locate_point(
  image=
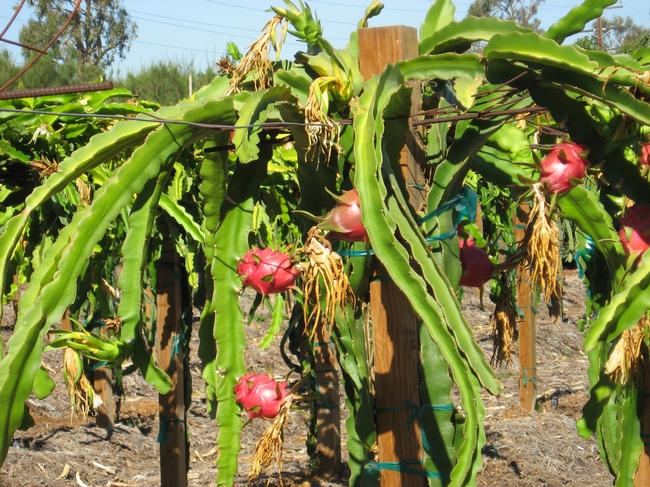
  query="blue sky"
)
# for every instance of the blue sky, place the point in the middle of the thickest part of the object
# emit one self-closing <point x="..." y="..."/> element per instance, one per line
<point x="198" y="30"/>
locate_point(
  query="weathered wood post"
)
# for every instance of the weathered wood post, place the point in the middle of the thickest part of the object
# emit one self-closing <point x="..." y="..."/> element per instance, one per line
<point x="103" y="385"/>
<point x="169" y="337"/>
<point x="527" y="328"/>
<point x="642" y="476"/>
<point x="328" y="413"/>
<point x="397" y="348"/>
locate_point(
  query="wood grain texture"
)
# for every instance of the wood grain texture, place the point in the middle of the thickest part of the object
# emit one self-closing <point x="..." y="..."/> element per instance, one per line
<point x="397" y="348"/>
<point x="527" y="326"/>
<point x="173" y="448"/>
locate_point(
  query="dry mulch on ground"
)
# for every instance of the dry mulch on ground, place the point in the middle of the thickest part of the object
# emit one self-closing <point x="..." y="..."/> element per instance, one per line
<point x="539" y="448"/>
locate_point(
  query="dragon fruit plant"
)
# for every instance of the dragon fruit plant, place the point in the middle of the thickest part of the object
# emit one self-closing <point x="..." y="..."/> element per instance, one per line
<point x="260" y="395"/>
<point x="565" y="164"/>
<point x="267" y="271"/>
<point x="476" y="264"/>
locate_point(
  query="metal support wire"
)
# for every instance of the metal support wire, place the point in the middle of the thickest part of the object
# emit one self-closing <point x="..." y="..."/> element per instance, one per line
<point x="39" y="52"/>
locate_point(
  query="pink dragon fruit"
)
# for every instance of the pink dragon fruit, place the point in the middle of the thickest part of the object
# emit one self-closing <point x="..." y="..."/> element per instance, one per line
<point x="477" y="266"/>
<point x="635" y="230"/>
<point x="565" y="163"/>
<point x="344" y="220"/>
<point x="260" y="395"/>
<point x="267" y="271"/>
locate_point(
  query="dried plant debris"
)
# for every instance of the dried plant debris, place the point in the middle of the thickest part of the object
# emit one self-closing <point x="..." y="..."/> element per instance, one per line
<point x="268" y="449"/>
<point x="504" y="321"/>
<point x="325" y="284"/>
<point x="323" y="131"/>
<point x="83" y="399"/>
<point x="256" y="61"/>
<point x="625" y="362"/>
<point x="542" y="246"/>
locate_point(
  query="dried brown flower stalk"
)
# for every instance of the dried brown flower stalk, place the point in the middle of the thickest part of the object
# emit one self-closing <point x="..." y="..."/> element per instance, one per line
<point x="625" y="360"/>
<point x="82" y="395"/>
<point x="505" y="323"/>
<point x="269" y="448"/>
<point x="542" y="247"/>
<point x="323" y="132"/>
<point x="256" y="60"/>
<point x="325" y="284"/>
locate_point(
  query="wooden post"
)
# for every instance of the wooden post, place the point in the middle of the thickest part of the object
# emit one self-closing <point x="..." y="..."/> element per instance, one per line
<point x="642" y="476"/>
<point x="397" y="348"/>
<point x="527" y="328"/>
<point x="103" y="385"/>
<point x="169" y="327"/>
<point x="328" y="413"/>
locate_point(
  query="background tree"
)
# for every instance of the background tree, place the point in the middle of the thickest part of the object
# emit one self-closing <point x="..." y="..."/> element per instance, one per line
<point x="100" y="31"/>
<point x="524" y="12"/>
<point x="166" y="82"/>
<point x="619" y="35"/>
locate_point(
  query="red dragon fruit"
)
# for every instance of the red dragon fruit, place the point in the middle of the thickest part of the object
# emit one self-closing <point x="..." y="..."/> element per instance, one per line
<point x="644" y="157"/>
<point x="267" y="271"/>
<point x="260" y="395"/>
<point x="635" y="230"/>
<point x="477" y="266"/>
<point x="344" y="220"/>
<point x="565" y="163"/>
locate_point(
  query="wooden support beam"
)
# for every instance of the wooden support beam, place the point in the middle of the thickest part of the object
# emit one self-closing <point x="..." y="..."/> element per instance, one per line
<point x="169" y="336"/>
<point x="642" y="476"/>
<point x="103" y="386"/>
<point x="527" y="327"/>
<point x="397" y="348"/>
<point x="328" y="413"/>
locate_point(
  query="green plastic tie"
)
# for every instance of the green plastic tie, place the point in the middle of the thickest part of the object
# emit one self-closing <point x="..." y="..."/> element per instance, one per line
<point x="164" y="429"/>
<point x="527" y="379"/>
<point x="372" y="468"/>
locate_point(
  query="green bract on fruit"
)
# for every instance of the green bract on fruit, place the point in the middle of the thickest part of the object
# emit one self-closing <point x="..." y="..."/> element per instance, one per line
<point x="564" y="164"/>
<point x="344" y="220"/>
<point x="635" y="230"/>
<point x="267" y="271"/>
<point x="477" y="266"/>
<point x="260" y="395"/>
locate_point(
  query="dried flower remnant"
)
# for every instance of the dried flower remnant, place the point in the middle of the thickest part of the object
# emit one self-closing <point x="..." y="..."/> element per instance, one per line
<point x="625" y="361"/>
<point x="325" y="285"/>
<point x="256" y="60"/>
<point x="542" y="247"/>
<point x="505" y="323"/>
<point x="269" y="448"/>
<point x="82" y="395"/>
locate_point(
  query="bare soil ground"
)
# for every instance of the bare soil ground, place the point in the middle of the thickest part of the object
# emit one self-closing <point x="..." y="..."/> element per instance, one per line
<point x="539" y="448"/>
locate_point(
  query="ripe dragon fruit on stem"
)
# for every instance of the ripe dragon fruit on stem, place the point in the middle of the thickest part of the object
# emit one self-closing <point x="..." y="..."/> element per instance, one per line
<point x="565" y="163"/>
<point x="260" y="395"/>
<point x="344" y="220"/>
<point x="635" y="230"/>
<point x="477" y="266"/>
<point x="267" y="271"/>
<point x="644" y="157"/>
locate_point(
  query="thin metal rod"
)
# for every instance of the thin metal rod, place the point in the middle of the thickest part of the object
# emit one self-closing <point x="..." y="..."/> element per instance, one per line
<point x="25" y="46"/>
<point x="52" y="41"/>
<point x="11" y="21"/>
<point x="56" y="90"/>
